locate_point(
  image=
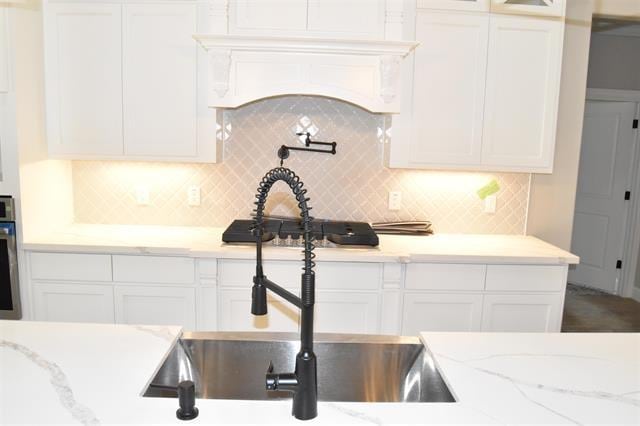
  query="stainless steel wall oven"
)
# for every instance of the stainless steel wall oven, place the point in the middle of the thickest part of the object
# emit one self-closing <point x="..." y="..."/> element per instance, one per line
<point x="9" y="286"/>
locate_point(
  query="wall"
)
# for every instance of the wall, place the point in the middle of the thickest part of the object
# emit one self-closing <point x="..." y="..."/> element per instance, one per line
<point x="553" y="196"/>
<point x="45" y="185"/>
<point x="351" y="185"/>
<point x="615" y="62"/>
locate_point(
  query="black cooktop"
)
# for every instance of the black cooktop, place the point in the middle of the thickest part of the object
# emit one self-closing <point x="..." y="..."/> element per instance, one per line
<point x="283" y="230"/>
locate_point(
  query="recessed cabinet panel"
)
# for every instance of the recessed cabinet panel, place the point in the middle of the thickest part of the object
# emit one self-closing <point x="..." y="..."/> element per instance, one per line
<point x="339" y="312"/>
<point x="160" y="59"/>
<point x="83" y="46"/>
<point x="234" y="313"/>
<point x="362" y="19"/>
<point x="522" y="312"/>
<point x="472" y="5"/>
<point x="267" y="16"/>
<point x="73" y="302"/>
<point x="155" y="306"/>
<point x="441" y="312"/>
<point x="523" y="79"/>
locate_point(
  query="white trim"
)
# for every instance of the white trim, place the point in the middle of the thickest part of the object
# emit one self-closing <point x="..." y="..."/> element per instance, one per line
<point x="636" y="294"/>
<point x="331" y="46"/>
<point x="631" y="251"/>
<point x="595" y="94"/>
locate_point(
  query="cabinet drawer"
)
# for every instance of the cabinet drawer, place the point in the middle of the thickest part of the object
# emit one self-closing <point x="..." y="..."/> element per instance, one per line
<point x="329" y="275"/>
<point x="70" y="267"/>
<point x="153" y="269"/>
<point x="526" y="277"/>
<point x="445" y="276"/>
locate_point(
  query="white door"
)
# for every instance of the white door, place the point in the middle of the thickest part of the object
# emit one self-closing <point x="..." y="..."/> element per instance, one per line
<point x="160" y="63"/>
<point x="83" y="75"/>
<point x="234" y="313"/>
<point x="342" y="312"/>
<point x="599" y="220"/>
<point x="73" y="302"/>
<point x="521" y="104"/>
<point x="441" y="121"/>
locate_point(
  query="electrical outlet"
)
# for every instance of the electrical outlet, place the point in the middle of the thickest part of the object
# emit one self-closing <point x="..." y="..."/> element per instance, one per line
<point x="490" y="204"/>
<point x="142" y="195"/>
<point x="395" y="200"/>
<point x="193" y="195"/>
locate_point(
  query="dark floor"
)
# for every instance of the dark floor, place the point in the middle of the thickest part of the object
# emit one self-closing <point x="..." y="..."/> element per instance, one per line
<point x="588" y="310"/>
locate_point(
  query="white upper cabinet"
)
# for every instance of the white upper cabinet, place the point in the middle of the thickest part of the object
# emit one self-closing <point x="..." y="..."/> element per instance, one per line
<point x="469" y="5"/>
<point x="523" y="85"/>
<point x="358" y="19"/>
<point x="483" y="93"/>
<point x="4" y="49"/>
<point x="160" y="59"/>
<point x="127" y="81"/>
<point x="442" y="119"/>
<point x="84" y="78"/>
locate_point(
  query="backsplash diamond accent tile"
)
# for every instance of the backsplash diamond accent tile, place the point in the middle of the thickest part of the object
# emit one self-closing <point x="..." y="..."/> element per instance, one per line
<point x="351" y="185"/>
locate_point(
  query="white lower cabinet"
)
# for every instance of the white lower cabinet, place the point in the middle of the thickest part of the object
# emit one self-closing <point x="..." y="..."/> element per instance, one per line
<point x="234" y="313"/>
<point x="441" y="312"/>
<point x="351" y="297"/>
<point x="73" y="302"/>
<point x="522" y="312"/>
<point x="155" y="305"/>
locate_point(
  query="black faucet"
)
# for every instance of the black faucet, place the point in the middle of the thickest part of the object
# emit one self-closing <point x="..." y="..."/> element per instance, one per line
<point x="303" y="382"/>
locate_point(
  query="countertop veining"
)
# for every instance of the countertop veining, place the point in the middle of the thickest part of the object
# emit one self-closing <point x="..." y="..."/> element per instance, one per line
<point x="70" y="373"/>
<point x="207" y="242"/>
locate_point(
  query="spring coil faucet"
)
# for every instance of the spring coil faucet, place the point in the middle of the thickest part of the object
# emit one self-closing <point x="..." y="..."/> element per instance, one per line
<point x="303" y="382"/>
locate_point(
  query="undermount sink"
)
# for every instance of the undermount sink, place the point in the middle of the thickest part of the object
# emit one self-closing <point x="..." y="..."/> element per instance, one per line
<point x="351" y="368"/>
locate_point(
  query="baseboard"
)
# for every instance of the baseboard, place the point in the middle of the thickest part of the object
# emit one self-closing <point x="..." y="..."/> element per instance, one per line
<point x="635" y="293"/>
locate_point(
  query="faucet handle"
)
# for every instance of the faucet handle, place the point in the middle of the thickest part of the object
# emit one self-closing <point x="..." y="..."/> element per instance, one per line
<point x="271" y="379"/>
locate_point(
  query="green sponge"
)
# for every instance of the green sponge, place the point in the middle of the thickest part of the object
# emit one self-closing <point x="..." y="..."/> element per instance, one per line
<point x="489" y="189"/>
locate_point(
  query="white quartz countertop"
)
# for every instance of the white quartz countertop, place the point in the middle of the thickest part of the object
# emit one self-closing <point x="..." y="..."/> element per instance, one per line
<point x="94" y="374"/>
<point x="207" y="242"/>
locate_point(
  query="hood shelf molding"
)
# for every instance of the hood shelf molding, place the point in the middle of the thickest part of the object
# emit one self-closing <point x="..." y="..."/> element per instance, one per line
<point x="246" y="68"/>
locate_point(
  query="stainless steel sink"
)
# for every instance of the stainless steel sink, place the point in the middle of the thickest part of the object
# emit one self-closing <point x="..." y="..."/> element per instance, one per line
<point x="351" y="368"/>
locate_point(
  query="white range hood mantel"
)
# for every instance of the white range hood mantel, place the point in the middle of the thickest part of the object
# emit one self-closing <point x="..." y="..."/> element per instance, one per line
<point x="246" y="68"/>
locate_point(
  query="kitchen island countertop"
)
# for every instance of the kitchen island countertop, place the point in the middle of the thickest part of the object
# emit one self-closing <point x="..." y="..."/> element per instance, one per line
<point x="207" y="242"/>
<point x="95" y="374"/>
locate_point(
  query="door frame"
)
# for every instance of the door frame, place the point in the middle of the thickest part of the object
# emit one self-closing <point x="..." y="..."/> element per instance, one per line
<point x="631" y="247"/>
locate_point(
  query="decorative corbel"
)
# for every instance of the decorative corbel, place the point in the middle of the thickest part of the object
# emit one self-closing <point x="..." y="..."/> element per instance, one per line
<point x="220" y="67"/>
<point x="389" y="74"/>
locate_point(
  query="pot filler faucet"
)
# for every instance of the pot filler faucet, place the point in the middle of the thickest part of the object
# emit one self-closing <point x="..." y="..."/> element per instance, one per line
<point x="303" y="382"/>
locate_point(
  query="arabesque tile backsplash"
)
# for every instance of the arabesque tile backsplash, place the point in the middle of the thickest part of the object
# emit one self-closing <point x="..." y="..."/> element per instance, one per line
<point x="351" y="185"/>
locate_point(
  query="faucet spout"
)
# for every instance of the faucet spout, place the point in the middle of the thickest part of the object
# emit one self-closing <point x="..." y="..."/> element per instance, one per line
<point x="303" y="382"/>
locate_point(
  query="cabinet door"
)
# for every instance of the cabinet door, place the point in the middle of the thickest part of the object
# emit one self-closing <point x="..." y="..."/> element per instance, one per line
<point x="73" y="302"/>
<point x="160" y="72"/>
<point x="339" y="312"/>
<point x="361" y="19"/>
<point x="522" y="312"/>
<point x="267" y="17"/>
<point x="235" y="313"/>
<point x="523" y="79"/>
<point x="83" y="72"/>
<point x="474" y="5"/>
<point x="441" y="312"/>
<point x="155" y="305"/>
<point x="4" y="49"/>
<point x="445" y="111"/>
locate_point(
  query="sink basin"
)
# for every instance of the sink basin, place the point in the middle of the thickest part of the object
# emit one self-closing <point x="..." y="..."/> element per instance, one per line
<point x="351" y="368"/>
